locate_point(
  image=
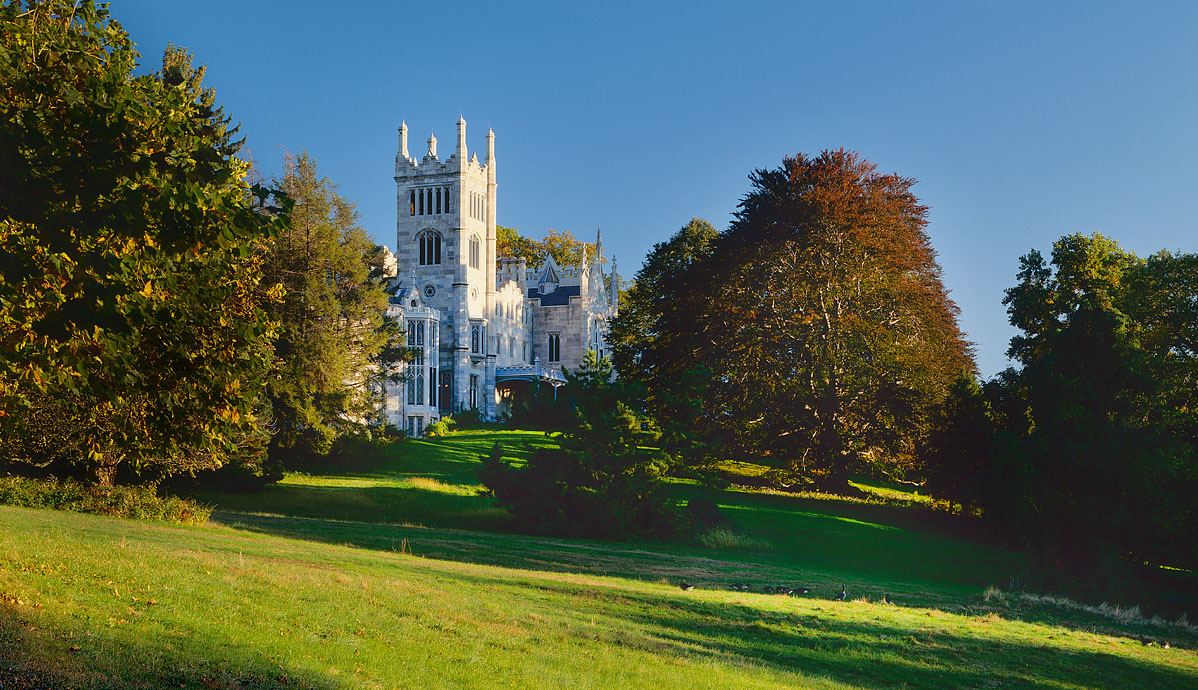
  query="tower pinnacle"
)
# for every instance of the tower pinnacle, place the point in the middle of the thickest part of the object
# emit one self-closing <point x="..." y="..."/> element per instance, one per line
<point x="461" y="150"/>
<point x="403" y="139"/>
<point x="432" y="145"/>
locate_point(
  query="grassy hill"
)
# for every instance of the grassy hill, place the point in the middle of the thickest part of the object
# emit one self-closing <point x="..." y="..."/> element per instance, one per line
<point x="402" y="576"/>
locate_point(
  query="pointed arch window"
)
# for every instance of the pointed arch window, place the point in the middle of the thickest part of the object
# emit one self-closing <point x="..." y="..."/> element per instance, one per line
<point x="474" y="251"/>
<point x="430" y="247"/>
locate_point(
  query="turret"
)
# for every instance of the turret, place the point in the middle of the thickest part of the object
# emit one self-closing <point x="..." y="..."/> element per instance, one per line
<point x="490" y="161"/>
<point x="403" y="140"/>
<point x="432" y="145"/>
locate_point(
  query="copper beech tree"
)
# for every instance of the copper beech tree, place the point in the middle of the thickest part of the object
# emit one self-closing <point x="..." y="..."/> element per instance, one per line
<point x="821" y="320"/>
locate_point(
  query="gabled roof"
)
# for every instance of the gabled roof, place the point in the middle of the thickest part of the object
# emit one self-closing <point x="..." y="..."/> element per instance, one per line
<point x="550" y="273"/>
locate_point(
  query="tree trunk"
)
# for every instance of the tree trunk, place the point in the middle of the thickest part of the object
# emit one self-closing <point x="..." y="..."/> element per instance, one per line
<point x="103" y="471"/>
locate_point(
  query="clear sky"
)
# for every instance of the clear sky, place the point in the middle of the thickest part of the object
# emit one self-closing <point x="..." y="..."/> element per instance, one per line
<point x="1023" y="121"/>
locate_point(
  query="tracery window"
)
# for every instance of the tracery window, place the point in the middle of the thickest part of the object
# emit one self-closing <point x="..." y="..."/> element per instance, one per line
<point x="430" y="247"/>
<point x="555" y="348"/>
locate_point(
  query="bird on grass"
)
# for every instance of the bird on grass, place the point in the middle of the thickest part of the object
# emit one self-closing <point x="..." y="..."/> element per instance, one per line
<point x="740" y="587"/>
<point x="800" y="590"/>
<point x="685" y="586"/>
<point x="784" y="590"/>
<point x="886" y="599"/>
<point x="767" y="590"/>
<point x="842" y="595"/>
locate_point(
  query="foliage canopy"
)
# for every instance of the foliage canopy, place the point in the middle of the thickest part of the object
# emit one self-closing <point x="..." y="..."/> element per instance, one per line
<point x="129" y="281"/>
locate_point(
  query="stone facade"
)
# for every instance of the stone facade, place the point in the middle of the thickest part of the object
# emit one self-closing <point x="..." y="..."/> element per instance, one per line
<point x="498" y="323"/>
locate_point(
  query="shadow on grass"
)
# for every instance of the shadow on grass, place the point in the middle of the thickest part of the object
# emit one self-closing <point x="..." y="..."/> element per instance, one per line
<point x="372" y="504"/>
<point x="871" y="654"/>
<point x="654" y="563"/>
<point x="35" y="658"/>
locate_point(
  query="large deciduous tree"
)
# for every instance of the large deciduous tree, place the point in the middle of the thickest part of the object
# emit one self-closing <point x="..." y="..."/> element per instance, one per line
<point x="129" y="284"/>
<point x="832" y="330"/>
<point x="818" y="318"/>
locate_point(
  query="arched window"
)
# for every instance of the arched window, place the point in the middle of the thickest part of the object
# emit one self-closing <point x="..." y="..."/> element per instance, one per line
<point x="474" y="247"/>
<point x="447" y="209"/>
<point x="412" y="202"/>
<point x="430" y="247"/>
<point x="438" y="200"/>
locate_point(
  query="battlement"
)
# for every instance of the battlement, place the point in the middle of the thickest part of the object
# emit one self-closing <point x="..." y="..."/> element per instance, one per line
<point x="407" y="165"/>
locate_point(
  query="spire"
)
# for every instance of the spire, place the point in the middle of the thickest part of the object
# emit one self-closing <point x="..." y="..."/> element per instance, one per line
<point x="432" y="145"/>
<point x="403" y="140"/>
<point x="461" y="150"/>
<point x="614" y="300"/>
<point x="598" y="242"/>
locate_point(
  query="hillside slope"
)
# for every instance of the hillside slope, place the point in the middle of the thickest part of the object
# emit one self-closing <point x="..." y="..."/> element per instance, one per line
<point x="280" y="601"/>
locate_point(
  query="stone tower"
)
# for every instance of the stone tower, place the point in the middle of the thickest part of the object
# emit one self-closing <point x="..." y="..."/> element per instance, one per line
<point x="445" y="236"/>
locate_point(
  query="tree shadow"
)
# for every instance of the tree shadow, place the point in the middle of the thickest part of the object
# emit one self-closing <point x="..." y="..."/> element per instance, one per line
<point x="372" y="504"/>
<point x="37" y="658"/>
<point x="649" y="563"/>
<point x="879" y="654"/>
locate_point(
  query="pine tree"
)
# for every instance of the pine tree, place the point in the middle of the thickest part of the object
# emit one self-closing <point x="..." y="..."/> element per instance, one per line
<point x="332" y="315"/>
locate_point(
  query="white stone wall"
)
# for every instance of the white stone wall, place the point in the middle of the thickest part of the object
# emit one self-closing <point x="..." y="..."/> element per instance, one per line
<point x="493" y="294"/>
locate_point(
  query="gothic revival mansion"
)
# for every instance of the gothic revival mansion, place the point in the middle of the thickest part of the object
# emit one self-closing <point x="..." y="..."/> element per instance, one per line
<point x="485" y="328"/>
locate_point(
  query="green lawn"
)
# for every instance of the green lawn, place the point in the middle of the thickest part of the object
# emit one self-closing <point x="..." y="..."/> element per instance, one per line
<point x="402" y="577"/>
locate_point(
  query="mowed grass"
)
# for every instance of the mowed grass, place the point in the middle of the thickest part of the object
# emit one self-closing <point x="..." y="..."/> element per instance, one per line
<point x="347" y="591"/>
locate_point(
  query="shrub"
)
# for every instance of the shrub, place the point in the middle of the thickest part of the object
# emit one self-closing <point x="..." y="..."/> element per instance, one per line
<point x="140" y="502"/>
<point x="602" y="481"/>
<point x="725" y="537"/>
<point x="553" y="493"/>
<point x="441" y="427"/>
<point x="468" y="419"/>
<point x="354" y="451"/>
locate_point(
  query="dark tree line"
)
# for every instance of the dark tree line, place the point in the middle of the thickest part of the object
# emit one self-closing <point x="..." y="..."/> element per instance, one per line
<point x="1087" y="453"/>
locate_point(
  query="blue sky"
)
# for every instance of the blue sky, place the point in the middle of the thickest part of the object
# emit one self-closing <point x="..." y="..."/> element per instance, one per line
<point x="1023" y="121"/>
